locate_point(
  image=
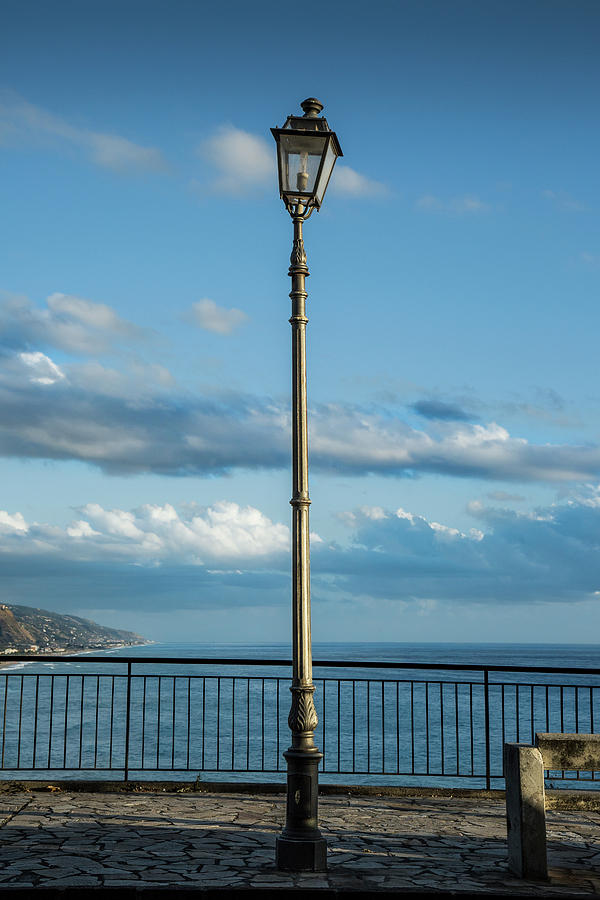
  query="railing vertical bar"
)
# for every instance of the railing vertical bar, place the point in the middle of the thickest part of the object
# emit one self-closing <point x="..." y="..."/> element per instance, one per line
<point x="112" y="720"/>
<point x="81" y="719"/>
<point x="353" y="724"/>
<point x="339" y="737"/>
<point x="532" y="711"/>
<point x="471" y="726"/>
<point x="158" y="720"/>
<point x="324" y="723"/>
<point x="35" y="720"/>
<point x="412" y="728"/>
<point x="66" y="723"/>
<point x="233" y="724"/>
<point x="203" y="716"/>
<point x="248" y="724"/>
<point x="96" y="726"/>
<point x="518" y="712"/>
<point x="368" y="726"/>
<point x="397" y="727"/>
<point x="189" y="719"/>
<point x="50" y="725"/>
<point x="591" y="710"/>
<point x="562" y="709"/>
<point x="143" y="743"/>
<point x="442" y="727"/>
<point x="262" y="720"/>
<point x="456" y="729"/>
<point x="277" y="701"/>
<point x="37" y="685"/>
<point x="427" y="724"/>
<point x="576" y="693"/>
<point x="547" y="710"/>
<point x="20" y="717"/>
<point x="173" y="723"/>
<point x="127" y="722"/>
<point x="218" y="720"/>
<point x="4" y="716"/>
<point x="503" y="724"/>
<point x="486" y="689"/>
<point x="383" y="726"/>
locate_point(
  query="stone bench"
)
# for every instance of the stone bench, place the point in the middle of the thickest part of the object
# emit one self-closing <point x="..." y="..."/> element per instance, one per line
<point x="524" y="767"/>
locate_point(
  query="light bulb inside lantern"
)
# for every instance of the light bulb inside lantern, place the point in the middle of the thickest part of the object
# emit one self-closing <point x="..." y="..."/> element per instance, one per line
<point x="302" y="176"/>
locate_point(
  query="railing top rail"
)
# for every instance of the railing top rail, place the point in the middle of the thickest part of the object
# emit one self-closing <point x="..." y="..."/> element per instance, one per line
<point x="317" y="663"/>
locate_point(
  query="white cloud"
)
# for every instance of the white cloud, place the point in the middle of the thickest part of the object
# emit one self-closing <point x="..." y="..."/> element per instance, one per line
<point x="81" y="529"/>
<point x="353" y="440"/>
<point x="464" y="205"/>
<point x="20" y="120"/>
<point x="543" y="555"/>
<point x="14" y="523"/>
<point x="226" y="555"/>
<point x="207" y="314"/>
<point x="587" y="495"/>
<point x="505" y="497"/>
<point x="94" y="315"/>
<point x="446" y="530"/>
<point x="139" y="381"/>
<point x="115" y="521"/>
<point x="351" y="183"/>
<point x="69" y="323"/>
<point x="43" y="370"/>
<point x="373" y="512"/>
<point x="117" y="153"/>
<point x="137" y="421"/>
<point x="153" y="535"/>
<point x="243" y="161"/>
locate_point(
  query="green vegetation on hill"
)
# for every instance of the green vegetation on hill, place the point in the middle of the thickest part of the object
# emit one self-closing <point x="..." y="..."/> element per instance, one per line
<point x="25" y="629"/>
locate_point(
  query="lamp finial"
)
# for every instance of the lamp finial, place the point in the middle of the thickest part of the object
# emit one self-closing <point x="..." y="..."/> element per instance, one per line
<point x="312" y="107"/>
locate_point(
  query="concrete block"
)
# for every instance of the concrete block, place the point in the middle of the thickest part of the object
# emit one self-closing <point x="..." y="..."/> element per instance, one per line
<point x="569" y="751"/>
<point x="525" y="813"/>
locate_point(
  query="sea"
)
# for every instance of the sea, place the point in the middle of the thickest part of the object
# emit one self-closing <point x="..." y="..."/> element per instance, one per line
<point x="184" y="720"/>
<point x="480" y="654"/>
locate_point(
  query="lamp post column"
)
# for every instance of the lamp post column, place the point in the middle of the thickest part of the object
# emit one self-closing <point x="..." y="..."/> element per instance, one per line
<point x="301" y="847"/>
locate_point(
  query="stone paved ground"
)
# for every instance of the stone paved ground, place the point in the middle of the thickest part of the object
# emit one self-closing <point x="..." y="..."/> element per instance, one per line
<point x="204" y="840"/>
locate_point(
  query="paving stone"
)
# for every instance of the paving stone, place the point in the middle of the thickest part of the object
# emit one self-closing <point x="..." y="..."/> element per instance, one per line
<point x="155" y="876"/>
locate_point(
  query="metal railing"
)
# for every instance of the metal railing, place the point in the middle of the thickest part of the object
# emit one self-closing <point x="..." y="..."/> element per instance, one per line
<point x="140" y="717"/>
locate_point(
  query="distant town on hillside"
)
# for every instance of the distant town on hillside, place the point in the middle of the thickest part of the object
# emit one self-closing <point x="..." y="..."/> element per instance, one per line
<point x="24" y="629"/>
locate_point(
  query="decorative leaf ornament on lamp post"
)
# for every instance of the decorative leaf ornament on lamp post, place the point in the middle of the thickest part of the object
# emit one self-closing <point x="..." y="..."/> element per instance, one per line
<point x="306" y="153"/>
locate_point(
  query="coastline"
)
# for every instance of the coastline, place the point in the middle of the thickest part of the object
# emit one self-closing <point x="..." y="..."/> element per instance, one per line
<point x="7" y="661"/>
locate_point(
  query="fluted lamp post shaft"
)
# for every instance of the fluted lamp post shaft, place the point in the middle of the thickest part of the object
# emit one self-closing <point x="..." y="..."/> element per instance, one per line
<point x="307" y="150"/>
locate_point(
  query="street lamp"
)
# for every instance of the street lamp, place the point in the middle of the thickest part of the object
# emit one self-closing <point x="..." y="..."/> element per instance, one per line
<point x="306" y="153"/>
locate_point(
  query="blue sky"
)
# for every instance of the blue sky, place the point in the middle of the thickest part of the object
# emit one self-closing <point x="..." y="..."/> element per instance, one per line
<point x="453" y="304"/>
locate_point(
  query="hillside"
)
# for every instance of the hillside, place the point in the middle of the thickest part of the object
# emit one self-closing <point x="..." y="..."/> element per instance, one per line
<point x="25" y="629"/>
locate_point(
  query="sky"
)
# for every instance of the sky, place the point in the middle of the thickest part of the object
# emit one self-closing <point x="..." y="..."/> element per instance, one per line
<point x="453" y="303"/>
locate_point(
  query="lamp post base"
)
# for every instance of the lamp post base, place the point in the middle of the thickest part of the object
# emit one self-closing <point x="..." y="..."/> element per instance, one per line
<point x="302" y="855"/>
<point x="301" y="846"/>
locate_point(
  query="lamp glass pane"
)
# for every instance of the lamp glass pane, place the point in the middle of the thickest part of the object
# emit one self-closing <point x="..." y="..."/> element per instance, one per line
<point x="300" y="160"/>
<point x="328" y="164"/>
